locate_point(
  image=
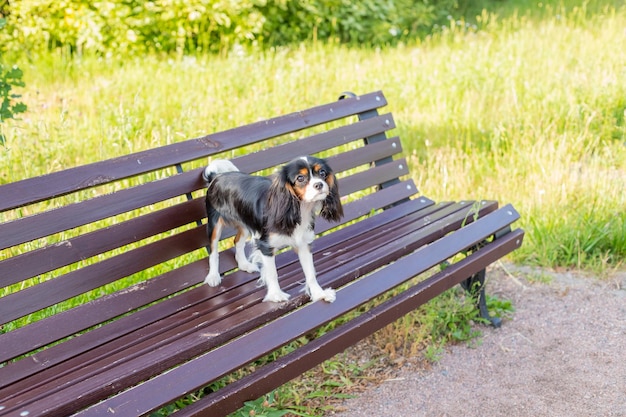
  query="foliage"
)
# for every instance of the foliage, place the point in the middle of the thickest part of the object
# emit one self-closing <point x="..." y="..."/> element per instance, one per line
<point x="264" y="407"/>
<point x="181" y="26"/>
<point x="371" y="22"/>
<point x="9" y="78"/>
<point x="122" y="26"/>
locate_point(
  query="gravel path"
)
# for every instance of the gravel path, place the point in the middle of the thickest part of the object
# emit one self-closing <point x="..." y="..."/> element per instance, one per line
<point x="563" y="353"/>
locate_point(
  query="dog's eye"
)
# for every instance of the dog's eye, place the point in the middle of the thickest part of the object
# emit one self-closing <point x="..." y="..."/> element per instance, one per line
<point x="300" y="178"/>
<point x="322" y="173"/>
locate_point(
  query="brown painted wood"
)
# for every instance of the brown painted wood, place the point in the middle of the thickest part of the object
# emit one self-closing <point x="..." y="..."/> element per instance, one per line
<point x="51" y="257"/>
<point x="67" y="323"/>
<point x="288" y="367"/>
<point x="72" y="321"/>
<point x="189" y="343"/>
<point x="187" y="378"/>
<point x="78" y="214"/>
<point x="149" y="340"/>
<point x="60" y="183"/>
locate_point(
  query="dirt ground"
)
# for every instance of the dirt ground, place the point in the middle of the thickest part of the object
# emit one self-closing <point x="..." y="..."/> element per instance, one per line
<point x="563" y="353"/>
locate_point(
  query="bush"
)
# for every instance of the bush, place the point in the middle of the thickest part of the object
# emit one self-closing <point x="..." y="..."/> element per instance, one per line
<point x="9" y="78"/>
<point x="190" y="26"/>
<point x="122" y="26"/>
<point x="372" y="22"/>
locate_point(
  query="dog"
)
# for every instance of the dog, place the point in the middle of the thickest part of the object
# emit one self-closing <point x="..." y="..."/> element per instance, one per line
<point x="276" y="211"/>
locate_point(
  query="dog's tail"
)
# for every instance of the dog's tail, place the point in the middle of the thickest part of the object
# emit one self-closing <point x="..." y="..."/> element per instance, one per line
<point x="219" y="166"/>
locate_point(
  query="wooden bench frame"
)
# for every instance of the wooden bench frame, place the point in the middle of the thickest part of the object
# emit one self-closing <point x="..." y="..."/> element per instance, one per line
<point x="134" y="349"/>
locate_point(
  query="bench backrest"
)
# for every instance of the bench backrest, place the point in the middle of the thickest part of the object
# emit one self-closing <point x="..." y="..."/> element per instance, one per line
<point x="104" y="229"/>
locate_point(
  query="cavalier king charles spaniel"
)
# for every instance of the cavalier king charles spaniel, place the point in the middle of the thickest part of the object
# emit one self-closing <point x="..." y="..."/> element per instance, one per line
<point x="276" y="211"/>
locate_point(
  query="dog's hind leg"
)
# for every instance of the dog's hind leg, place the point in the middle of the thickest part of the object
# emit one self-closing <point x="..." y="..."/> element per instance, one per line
<point x="240" y="252"/>
<point x="214" y="229"/>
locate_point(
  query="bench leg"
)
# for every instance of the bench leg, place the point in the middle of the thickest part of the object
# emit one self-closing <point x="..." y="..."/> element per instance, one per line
<point x="475" y="286"/>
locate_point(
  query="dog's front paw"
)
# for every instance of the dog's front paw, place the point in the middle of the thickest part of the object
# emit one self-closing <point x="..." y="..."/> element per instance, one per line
<point x="276" y="296"/>
<point x="213" y="279"/>
<point x="329" y="295"/>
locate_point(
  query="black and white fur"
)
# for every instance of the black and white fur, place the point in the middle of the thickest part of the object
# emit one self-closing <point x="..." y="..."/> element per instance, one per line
<point x="276" y="211"/>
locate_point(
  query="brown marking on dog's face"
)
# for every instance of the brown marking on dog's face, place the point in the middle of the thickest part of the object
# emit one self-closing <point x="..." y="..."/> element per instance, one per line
<point x="325" y="174"/>
<point x="300" y="182"/>
<point x="330" y="180"/>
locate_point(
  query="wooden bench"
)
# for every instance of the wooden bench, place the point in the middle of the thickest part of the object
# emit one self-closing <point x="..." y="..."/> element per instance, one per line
<point x="102" y="305"/>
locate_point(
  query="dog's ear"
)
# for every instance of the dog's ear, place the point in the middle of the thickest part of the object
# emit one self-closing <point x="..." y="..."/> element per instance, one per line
<point x="283" y="205"/>
<point x="332" y="210"/>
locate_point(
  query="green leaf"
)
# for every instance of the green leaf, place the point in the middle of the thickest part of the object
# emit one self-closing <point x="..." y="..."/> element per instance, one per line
<point x="19" y="108"/>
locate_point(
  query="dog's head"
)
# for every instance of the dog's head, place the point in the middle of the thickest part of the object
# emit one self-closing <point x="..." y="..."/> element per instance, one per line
<point x="305" y="180"/>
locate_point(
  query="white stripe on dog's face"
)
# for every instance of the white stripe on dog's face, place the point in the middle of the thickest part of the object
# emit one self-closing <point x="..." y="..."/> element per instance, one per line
<point x="316" y="190"/>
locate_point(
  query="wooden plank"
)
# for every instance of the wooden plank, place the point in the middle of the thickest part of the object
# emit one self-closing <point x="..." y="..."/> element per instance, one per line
<point x="80" y="281"/>
<point x="365" y="155"/>
<point x="78" y="214"/>
<point x="311" y="145"/>
<point x="72" y="321"/>
<point x="186" y="378"/>
<point x="288" y="367"/>
<point x="51" y="257"/>
<point x="56" y="184"/>
<point x="160" y="356"/>
<point x="370" y="178"/>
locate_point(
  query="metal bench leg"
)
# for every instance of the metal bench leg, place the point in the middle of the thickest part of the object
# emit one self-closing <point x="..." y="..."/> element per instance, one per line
<point x="475" y="286"/>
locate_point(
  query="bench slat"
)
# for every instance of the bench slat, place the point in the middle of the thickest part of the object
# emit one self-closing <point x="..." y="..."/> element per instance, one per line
<point x="55" y="256"/>
<point x="286" y="368"/>
<point x="372" y="177"/>
<point x="51" y="257"/>
<point x="78" y="214"/>
<point x="343" y="135"/>
<point x="249" y="314"/>
<point x="60" y="183"/>
<point x="365" y="155"/>
<point x="160" y="390"/>
<point x="77" y="282"/>
<point x="87" y="342"/>
<point x="67" y="323"/>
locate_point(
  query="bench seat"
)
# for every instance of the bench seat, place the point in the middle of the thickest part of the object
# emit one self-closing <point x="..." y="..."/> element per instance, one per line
<point x="163" y="334"/>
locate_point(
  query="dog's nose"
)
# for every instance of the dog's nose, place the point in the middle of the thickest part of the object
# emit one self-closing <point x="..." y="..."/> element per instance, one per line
<point x="318" y="186"/>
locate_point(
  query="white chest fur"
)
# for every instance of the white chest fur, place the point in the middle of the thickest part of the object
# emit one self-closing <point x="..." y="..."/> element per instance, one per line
<point x="303" y="234"/>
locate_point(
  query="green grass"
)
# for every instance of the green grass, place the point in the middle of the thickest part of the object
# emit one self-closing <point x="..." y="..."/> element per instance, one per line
<point x="527" y="109"/>
<point x="528" y="106"/>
